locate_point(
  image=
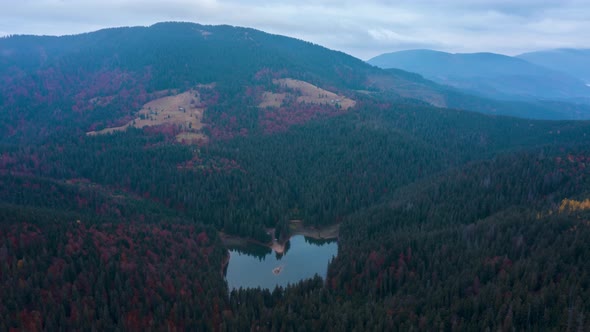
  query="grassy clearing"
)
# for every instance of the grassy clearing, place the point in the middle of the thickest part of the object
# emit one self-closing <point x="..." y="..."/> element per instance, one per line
<point x="308" y="93"/>
<point x="182" y="110"/>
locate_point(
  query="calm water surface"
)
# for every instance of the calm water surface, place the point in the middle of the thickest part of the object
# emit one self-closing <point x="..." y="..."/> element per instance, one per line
<point x="304" y="258"/>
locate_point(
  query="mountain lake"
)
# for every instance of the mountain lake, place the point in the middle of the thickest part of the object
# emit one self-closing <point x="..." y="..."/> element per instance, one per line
<point x="258" y="266"/>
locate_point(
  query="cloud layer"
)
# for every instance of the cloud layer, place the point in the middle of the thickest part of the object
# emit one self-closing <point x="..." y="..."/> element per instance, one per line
<point x="363" y="29"/>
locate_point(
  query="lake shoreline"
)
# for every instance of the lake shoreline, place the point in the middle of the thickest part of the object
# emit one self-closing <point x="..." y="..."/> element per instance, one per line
<point x="296" y="227"/>
<point x="256" y="266"/>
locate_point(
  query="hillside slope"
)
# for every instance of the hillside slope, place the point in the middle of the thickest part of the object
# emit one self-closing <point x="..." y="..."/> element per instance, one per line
<point x="100" y="80"/>
<point x="54" y="82"/>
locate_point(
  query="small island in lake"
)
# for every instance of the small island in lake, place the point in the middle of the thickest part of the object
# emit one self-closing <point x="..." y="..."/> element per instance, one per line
<point x="277" y="270"/>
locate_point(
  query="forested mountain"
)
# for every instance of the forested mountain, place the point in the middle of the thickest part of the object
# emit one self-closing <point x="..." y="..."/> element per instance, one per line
<point x="99" y="80"/>
<point x="574" y="62"/>
<point x="449" y="219"/>
<point x="96" y="79"/>
<point x="489" y="74"/>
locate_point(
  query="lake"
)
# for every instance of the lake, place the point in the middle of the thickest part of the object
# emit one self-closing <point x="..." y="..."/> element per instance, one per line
<point x="258" y="266"/>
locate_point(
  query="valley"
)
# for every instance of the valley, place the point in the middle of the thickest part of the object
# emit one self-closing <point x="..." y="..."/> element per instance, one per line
<point x="331" y="194"/>
<point x="491" y="75"/>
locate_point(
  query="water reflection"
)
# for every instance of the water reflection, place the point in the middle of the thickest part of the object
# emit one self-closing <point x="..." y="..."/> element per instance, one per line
<point x="253" y="250"/>
<point x="317" y="242"/>
<point x="255" y="266"/>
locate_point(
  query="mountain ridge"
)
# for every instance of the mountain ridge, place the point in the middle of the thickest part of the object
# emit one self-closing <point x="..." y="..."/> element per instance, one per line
<point x="53" y="83"/>
<point x="488" y="74"/>
<point x="568" y="60"/>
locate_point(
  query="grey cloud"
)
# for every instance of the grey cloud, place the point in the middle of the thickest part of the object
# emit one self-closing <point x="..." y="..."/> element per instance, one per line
<point x="361" y="29"/>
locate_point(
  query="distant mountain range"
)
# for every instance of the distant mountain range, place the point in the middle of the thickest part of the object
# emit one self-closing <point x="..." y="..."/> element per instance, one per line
<point x="494" y="75"/>
<point x="575" y="62"/>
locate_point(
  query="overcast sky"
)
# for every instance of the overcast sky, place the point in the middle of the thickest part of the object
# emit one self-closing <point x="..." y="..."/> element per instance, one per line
<point x="363" y="28"/>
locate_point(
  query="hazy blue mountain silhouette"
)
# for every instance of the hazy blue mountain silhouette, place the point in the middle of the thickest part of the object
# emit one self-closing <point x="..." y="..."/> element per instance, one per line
<point x="575" y="62"/>
<point x="488" y="74"/>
